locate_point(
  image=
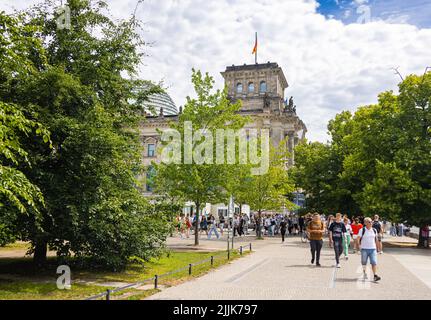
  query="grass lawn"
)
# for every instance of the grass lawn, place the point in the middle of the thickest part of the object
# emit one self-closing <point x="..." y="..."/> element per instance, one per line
<point x="18" y="279"/>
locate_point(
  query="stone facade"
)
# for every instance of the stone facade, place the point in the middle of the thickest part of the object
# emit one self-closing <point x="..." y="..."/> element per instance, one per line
<point x="262" y="98"/>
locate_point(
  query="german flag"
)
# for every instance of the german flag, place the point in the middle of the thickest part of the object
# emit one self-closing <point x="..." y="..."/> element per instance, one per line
<point x="255" y="46"/>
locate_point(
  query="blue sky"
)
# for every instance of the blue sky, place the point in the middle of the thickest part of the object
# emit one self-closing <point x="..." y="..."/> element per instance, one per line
<point x="415" y="12"/>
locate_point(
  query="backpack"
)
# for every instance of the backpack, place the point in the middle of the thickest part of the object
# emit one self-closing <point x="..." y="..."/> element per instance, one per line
<point x="363" y="232"/>
<point x="377" y="226"/>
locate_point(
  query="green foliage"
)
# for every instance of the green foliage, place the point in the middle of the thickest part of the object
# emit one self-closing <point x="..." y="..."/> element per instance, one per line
<point x="73" y="82"/>
<point x="379" y="160"/>
<point x="269" y="191"/>
<point x="206" y="182"/>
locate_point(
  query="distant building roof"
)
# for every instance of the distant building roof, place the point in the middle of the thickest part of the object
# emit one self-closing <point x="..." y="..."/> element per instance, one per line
<point x="252" y="66"/>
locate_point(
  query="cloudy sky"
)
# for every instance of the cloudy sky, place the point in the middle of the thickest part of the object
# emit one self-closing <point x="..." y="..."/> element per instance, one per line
<point x="336" y="54"/>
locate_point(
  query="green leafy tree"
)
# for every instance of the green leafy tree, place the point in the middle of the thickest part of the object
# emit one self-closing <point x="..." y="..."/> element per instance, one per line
<point x="18" y="195"/>
<point x="269" y="191"/>
<point x="379" y="159"/>
<point x="81" y="85"/>
<point x="201" y="182"/>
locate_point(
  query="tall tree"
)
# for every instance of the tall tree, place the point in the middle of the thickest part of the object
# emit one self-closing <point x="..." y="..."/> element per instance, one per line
<point x="200" y="180"/>
<point x="81" y="84"/>
<point x="18" y="195"/>
<point x="380" y="157"/>
<point x="269" y="191"/>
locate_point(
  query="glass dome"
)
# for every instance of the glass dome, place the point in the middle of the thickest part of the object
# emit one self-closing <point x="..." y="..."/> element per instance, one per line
<point x="160" y="100"/>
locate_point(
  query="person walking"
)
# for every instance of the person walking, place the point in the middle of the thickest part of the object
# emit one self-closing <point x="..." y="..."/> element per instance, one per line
<point x="235" y="225"/>
<point x="400" y="229"/>
<point x="267" y="225"/>
<point x="328" y="224"/>
<point x="315" y="230"/>
<point x="356" y="226"/>
<point x="289" y="224"/>
<point x="393" y="229"/>
<point x="272" y="226"/>
<point x="301" y="222"/>
<point x="368" y="241"/>
<point x="246" y="223"/>
<point x="283" y="229"/>
<point x="222" y="222"/>
<point x="337" y="230"/>
<point x="295" y="224"/>
<point x="240" y="225"/>
<point x="204" y="224"/>
<point x="188" y="225"/>
<point x="378" y="226"/>
<point x="212" y="226"/>
<point x="347" y="238"/>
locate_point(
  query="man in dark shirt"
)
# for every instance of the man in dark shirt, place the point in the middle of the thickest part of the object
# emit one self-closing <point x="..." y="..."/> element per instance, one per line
<point x="336" y="233"/>
<point x="283" y="228"/>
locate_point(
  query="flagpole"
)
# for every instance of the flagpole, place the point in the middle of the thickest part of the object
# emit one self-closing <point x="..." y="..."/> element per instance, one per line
<point x="255" y="54"/>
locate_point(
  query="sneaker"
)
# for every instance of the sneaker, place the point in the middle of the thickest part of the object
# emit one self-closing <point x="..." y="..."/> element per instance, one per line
<point x="376" y="278"/>
<point x="381" y="252"/>
<point x="365" y="275"/>
<point x="318" y="264"/>
<point x="346" y="257"/>
<point x="338" y="265"/>
<point x="312" y="261"/>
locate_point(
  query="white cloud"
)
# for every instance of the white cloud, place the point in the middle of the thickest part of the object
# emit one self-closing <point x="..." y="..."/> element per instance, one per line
<point x="330" y="66"/>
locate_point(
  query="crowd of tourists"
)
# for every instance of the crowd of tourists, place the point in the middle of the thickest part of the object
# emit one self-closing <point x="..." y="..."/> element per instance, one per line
<point x="209" y="225"/>
<point x="366" y="234"/>
<point x="356" y="234"/>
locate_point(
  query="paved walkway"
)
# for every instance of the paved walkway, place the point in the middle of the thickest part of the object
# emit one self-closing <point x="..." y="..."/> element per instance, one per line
<point x="278" y="271"/>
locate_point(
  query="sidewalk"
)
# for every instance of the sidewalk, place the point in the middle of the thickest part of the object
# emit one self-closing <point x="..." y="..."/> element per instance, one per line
<point x="279" y="272"/>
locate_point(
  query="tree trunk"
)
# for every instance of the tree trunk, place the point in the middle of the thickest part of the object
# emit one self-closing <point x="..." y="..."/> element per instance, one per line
<point x="40" y="251"/>
<point x="197" y="225"/>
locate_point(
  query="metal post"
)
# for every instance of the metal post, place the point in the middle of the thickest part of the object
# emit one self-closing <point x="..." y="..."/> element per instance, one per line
<point x="212" y="261"/>
<point x="190" y="269"/>
<point x="156" y="280"/>
<point x="240" y="250"/>
<point x="250" y="246"/>
<point x="233" y="234"/>
<point x="108" y="294"/>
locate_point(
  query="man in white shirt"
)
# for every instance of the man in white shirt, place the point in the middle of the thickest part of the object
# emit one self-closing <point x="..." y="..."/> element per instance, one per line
<point x="368" y="239"/>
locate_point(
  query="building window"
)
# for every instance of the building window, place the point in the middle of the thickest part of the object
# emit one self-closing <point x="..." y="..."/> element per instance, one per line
<point x="239" y="88"/>
<point x="149" y="183"/>
<point x="251" y="87"/>
<point x="262" y="86"/>
<point x="151" y="152"/>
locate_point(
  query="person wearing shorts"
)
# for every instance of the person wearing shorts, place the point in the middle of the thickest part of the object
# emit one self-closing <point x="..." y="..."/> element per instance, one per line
<point x="368" y="241"/>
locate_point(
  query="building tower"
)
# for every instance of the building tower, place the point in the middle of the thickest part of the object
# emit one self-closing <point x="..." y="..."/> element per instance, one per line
<point x="261" y="87"/>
